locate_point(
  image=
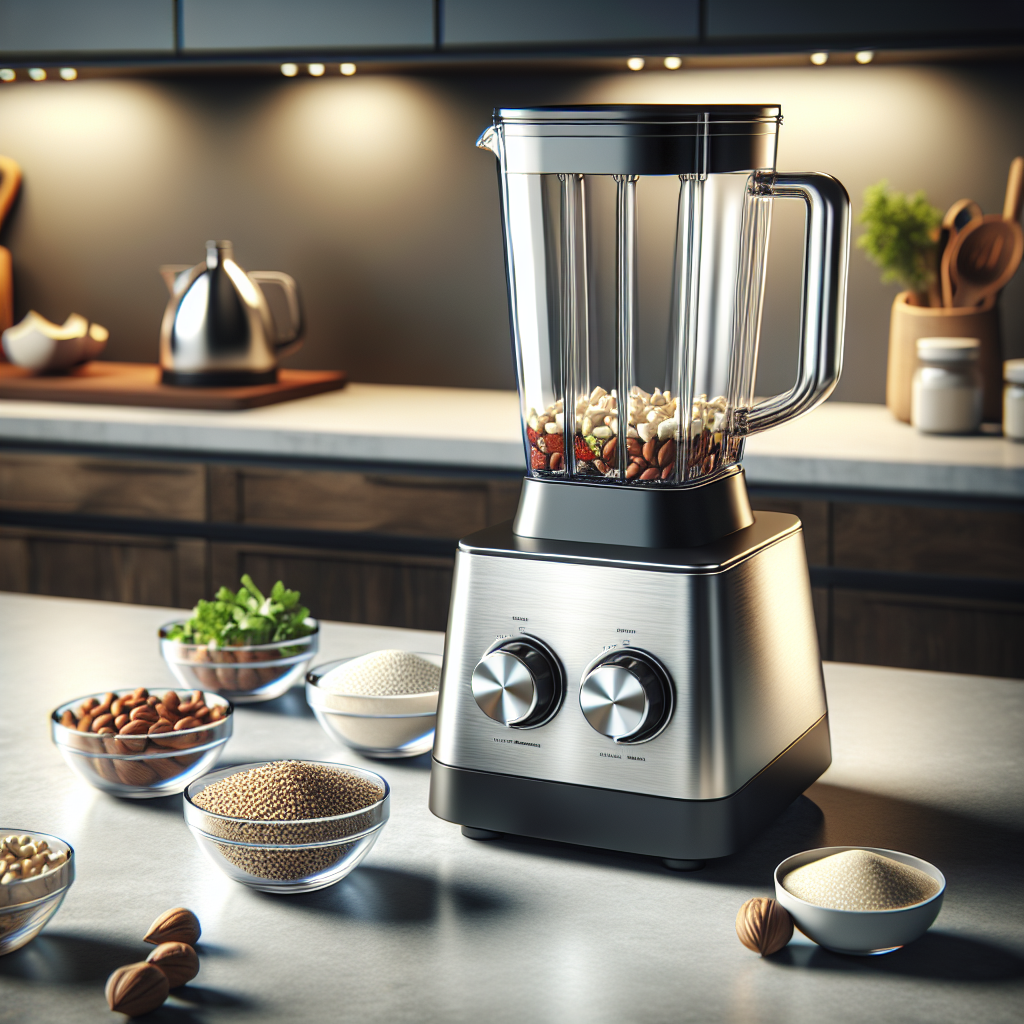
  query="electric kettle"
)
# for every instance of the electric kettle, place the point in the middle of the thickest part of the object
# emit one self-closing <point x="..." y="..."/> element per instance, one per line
<point x="218" y="329"/>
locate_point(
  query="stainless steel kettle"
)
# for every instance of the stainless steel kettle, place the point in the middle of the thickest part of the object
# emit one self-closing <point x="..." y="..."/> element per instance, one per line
<point x="218" y="329"/>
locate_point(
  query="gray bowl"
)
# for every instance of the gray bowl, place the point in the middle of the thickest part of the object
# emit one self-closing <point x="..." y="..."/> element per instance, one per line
<point x="860" y="932"/>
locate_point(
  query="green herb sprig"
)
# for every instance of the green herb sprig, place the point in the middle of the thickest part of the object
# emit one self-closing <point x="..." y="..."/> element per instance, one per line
<point x="901" y="235"/>
<point x="246" y="618"/>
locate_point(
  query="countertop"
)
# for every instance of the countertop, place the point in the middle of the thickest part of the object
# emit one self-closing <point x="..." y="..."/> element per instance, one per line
<point x="839" y="445"/>
<point x="434" y="927"/>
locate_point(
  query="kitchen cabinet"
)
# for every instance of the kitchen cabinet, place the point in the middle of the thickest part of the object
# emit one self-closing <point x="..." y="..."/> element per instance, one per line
<point x="879" y="19"/>
<point x="475" y="25"/>
<point x="86" y="27"/>
<point x="910" y="583"/>
<point x="238" y="26"/>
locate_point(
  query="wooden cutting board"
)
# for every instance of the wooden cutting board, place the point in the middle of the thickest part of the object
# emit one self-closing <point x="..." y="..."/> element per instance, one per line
<point x="103" y="383"/>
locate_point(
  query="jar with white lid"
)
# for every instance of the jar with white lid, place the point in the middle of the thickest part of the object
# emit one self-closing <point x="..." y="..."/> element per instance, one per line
<point x="946" y="395"/>
<point x="1013" y="399"/>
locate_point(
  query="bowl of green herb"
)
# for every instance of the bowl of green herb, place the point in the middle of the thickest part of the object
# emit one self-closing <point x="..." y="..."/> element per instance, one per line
<point x="243" y="645"/>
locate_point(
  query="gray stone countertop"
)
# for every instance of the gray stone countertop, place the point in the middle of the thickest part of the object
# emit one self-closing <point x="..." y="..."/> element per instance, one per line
<point x="433" y="927"/>
<point x="839" y="445"/>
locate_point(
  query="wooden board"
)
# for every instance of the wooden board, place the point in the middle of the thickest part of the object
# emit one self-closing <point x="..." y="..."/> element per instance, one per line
<point x="104" y="383"/>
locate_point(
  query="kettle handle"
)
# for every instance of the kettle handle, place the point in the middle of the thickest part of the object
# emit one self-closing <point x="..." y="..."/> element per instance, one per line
<point x="823" y="314"/>
<point x="283" y="344"/>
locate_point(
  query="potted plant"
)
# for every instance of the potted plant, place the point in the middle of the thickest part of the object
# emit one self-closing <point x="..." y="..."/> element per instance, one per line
<point x="902" y="238"/>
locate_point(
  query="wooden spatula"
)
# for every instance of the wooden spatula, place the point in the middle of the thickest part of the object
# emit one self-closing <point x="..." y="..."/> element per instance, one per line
<point x="982" y="258"/>
<point x="10" y="182"/>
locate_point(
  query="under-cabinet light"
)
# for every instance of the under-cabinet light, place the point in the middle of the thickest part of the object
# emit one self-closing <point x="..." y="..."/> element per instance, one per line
<point x="673" y="63"/>
<point x="635" y="63"/>
<point x="289" y="70"/>
<point x="819" y="58"/>
<point x="348" y="69"/>
<point x="37" y="74"/>
<point x="6" y="75"/>
<point x="316" y="70"/>
<point x="68" y="74"/>
<point x="864" y="56"/>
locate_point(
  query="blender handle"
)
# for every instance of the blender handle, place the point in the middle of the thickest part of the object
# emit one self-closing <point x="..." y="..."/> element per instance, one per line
<point x="283" y="343"/>
<point x="823" y="309"/>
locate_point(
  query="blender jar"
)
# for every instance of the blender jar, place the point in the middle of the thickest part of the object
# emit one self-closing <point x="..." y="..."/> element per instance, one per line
<point x="636" y="243"/>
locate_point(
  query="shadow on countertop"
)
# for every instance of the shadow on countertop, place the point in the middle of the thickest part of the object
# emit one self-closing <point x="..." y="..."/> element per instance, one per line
<point x="937" y="954"/>
<point x="392" y="896"/>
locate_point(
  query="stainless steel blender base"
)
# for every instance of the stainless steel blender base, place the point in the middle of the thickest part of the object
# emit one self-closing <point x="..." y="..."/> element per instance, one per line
<point x="488" y="804"/>
<point x="730" y="623"/>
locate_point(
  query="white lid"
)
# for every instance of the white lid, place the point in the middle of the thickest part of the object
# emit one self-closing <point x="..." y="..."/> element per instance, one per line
<point x="948" y="350"/>
<point x="1013" y="371"/>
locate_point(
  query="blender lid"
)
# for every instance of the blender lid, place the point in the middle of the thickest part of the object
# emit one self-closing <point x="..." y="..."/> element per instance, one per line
<point x="639" y="139"/>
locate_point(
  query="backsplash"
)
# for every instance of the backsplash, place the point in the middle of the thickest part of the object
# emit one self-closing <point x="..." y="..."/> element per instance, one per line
<point x="369" y="191"/>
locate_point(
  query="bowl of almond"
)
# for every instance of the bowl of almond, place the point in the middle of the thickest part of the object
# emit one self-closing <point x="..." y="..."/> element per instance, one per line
<point x="137" y="744"/>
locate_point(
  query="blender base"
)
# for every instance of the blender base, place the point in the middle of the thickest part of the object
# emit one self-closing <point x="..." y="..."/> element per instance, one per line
<point x="672" y="830"/>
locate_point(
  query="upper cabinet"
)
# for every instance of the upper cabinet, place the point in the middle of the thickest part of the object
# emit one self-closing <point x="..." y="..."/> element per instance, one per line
<point x="476" y="24"/>
<point x="92" y="27"/>
<point x="203" y="30"/>
<point x="269" y="26"/>
<point x="813" y="20"/>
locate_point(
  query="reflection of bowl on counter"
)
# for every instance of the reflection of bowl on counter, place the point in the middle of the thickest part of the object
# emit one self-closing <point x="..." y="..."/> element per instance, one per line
<point x="40" y="346"/>
<point x="142" y="765"/>
<point x="27" y="904"/>
<point x="377" y="725"/>
<point x="245" y="674"/>
<point x="860" y="932"/>
<point x="287" y="855"/>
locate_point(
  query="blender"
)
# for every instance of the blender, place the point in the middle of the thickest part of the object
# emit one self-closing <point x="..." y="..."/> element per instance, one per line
<point x="632" y="662"/>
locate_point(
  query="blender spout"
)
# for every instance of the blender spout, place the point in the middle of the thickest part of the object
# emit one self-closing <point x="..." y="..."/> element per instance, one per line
<point x="489" y="140"/>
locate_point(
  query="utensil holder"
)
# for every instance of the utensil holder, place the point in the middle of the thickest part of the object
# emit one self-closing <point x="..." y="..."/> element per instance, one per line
<point x="910" y="322"/>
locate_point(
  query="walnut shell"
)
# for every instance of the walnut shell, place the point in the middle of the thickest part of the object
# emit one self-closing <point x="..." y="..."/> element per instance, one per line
<point x="177" y="960"/>
<point x="764" y="926"/>
<point x="177" y="925"/>
<point x="136" y="989"/>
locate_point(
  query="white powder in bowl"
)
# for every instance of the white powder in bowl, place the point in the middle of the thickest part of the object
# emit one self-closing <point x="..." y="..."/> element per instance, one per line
<point x="383" y="674"/>
<point x="860" y="880"/>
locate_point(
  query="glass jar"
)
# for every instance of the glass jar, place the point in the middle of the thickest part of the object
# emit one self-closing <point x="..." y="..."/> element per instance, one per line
<point x="1013" y="399"/>
<point x="946" y="395"/>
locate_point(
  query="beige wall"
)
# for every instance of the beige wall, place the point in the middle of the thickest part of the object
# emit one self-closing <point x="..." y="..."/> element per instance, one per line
<point x="369" y="191"/>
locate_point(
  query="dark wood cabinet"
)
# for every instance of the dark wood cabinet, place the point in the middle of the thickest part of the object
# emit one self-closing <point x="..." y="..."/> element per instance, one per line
<point x="913" y="584"/>
<point x="86" y="27"/>
<point x="266" y="26"/>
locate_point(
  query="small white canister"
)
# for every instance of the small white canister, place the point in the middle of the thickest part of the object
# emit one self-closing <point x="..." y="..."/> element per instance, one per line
<point x="946" y="394"/>
<point x="1013" y="399"/>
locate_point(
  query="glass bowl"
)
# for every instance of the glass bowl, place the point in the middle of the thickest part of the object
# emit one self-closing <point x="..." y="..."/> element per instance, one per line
<point x="287" y="856"/>
<point x="140" y="767"/>
<point x="384" y="727"/>
<point x="860" y="932"/>
<point x="245" y="674"/>
<point x="28" y="904"/>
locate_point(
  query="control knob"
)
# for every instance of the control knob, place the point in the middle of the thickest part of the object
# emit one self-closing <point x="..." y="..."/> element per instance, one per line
<point x="519" y="684"/>
<point x="627" y="697"/>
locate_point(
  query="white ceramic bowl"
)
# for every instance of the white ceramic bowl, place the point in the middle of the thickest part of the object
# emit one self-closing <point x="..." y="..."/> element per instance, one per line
<point x="384" y="727"/>
<point x="859" y="932"/>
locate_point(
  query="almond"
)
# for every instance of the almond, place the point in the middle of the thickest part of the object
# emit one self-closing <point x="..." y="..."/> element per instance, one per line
<point x="171" y="700"/>
<point x="177" y="925"/>
<point x="177" y="960"/>
<point x="137" y="989"/>
<point x="100" y="721"/>
<point x="186" y="723"/>
<point x="136" y="727"/>
<point x="145" y="712"/>
<point x="764" y="926"/>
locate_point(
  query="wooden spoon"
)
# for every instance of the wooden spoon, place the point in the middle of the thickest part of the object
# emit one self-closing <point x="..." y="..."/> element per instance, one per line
<point x="982" y="258"/>
<point x="10" y="182"/>
<point x="958" y="216"/>
<point x="1014" y="183"/>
